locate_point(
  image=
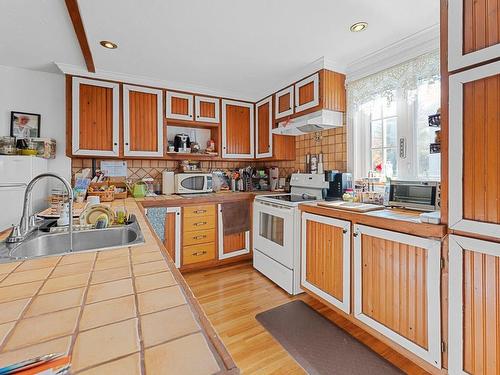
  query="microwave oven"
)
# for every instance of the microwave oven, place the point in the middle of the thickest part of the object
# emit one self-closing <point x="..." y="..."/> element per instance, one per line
<point x="417" y="195"/>
<point x="191" y="183"/>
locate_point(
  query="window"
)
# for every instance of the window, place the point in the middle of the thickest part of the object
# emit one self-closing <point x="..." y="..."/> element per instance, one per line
<point x="388" y="120"/>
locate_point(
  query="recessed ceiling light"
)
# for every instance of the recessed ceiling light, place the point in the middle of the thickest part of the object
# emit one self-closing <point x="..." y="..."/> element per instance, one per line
<point x="108" y="44"/>
<point x="359" y="26"/>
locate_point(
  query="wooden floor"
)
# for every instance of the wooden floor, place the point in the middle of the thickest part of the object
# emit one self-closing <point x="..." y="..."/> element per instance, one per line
<point x="233" y="295"/>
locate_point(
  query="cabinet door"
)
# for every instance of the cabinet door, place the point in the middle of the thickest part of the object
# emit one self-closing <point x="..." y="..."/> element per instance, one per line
<point x="172" y="241"/>
<point x="473" y="32"/>
<point x="474" y="306"/>
<point x="95" y="117"/>
<point x="237" y="129"/>
<point x="231" y="245"/>
<point x="326" y="259"/>
<point x="263" y="126"/>
<point x="474" y="159"/>
<point x="207" y="109"/>
<point x="283" y="103"/>
<point x="179" y="106"/>
<point x="142" y="121"/>
<point x="307" y="93"/>
<point x="397" y="289"/>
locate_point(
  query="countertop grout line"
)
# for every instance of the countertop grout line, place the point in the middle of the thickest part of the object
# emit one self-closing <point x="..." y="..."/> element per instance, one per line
<point x="139" y="325"/>
<point x="23" y="313"/>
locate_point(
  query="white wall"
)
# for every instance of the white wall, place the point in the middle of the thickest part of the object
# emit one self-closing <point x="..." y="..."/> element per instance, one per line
<point x="37" y="92"/>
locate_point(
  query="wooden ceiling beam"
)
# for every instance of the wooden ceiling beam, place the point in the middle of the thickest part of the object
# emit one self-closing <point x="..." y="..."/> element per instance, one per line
<point x="76" y="19"/>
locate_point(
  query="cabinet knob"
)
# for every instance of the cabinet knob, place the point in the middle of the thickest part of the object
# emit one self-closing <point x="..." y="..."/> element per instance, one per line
<point x="344" y="231"/>
<point x="115" y="144"/>
<point x="126" y="144"/>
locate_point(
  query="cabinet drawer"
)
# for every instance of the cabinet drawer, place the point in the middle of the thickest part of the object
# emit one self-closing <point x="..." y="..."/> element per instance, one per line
<point x="198" y="223"/>
<point x="199" y="237"/>
<point x="198" y="253"/>
<point x="197" y="211"/>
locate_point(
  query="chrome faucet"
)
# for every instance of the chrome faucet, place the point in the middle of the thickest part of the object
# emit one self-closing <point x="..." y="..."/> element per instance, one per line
<point x="27" y="223"/>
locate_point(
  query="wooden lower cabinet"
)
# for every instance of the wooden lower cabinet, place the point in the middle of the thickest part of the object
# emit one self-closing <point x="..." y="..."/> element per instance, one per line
<point x="397" y="288"/>
<point x="474" y="306"/>
<point x="198" y="253"/>
<point x="198" y="234"/>
<point x="172" y="241"/>
<point x="231" y="245"/>
<point x="326" y="259"/>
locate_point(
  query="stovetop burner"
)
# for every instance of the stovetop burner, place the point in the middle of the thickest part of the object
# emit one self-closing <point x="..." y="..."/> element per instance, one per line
<point x="293" y="197"/>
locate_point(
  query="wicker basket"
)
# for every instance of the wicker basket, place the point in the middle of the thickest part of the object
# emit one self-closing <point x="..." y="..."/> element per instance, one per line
<point x="104" y="196"/>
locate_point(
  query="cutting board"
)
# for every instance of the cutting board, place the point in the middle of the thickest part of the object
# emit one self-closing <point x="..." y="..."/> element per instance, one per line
<point x="351" y="206"/>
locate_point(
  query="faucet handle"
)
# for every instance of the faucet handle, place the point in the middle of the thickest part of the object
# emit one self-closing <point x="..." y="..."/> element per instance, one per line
<point x="32" y="221"/>
<point x="15" y="234"/>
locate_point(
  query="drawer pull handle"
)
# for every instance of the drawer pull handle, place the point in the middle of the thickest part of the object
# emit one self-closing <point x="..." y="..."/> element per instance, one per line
<point x="199" y="211"/>
<point x="198" y="253"/>
<point x="199" y="237"/>
<point x="200" y="223"/>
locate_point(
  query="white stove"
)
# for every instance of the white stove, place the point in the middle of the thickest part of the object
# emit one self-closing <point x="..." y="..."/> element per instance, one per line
<point x="276" y="233"/>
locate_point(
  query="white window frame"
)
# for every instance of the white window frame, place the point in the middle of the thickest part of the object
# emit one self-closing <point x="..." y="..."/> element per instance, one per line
<point x="456" y="221"/>
<point x="197" y="101"/>
<point x="126" y="121"/>
<point x="277" y="114"/>
<point x="345" y="304"/>
<point x="433" y="353"/>
<point x="220" y="234"/>
<point x="269" y="152"/>
<point x="252" y="123"/>
<point x="456" y="58"/>
<point x="176" y="116"/>
<point x="457" y="246"/>
<point x="75" y="128"/>
<point x="315" y="79"/>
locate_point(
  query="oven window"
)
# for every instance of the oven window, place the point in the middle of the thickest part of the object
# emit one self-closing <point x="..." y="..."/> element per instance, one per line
<point x="414" y="194"/>
<point x="271" y="227"/>
<point x="193" y="183"/>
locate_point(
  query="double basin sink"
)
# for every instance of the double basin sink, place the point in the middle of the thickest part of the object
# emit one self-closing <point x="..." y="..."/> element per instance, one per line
<point x="39" y="244"/>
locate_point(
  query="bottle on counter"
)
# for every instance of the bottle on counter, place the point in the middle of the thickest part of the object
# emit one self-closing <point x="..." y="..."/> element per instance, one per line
<point x="308" y="163"/>
<point x="320" y="163"/>
<point x="314" y="164"/>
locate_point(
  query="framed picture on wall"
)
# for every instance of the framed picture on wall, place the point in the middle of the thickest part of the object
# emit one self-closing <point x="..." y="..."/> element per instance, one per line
<point x="24" y="125"/>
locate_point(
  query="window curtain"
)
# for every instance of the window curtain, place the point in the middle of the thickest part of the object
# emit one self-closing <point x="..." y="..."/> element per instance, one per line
<point x="398" y="83"/>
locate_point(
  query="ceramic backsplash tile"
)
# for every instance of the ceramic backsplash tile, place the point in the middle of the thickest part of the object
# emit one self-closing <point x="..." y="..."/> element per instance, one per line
<point x="332" y="143"/>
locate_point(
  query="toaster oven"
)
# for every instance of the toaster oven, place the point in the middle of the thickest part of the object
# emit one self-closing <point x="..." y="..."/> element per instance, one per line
<point x="417" y="195"/>
<point x="192" y="183"/>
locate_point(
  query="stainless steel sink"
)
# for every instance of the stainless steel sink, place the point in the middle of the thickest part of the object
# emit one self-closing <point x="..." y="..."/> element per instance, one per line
<point x="43" y="244"/>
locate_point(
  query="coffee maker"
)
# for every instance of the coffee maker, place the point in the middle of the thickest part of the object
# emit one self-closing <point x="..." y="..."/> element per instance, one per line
<point x="181" y="142"/>
<point x="338" y="182"/>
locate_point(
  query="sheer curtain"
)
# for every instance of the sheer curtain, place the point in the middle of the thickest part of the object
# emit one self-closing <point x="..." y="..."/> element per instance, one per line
<point x="387" y="116"/>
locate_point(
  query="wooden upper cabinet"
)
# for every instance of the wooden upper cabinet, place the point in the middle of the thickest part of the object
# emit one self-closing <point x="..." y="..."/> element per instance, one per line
<point x="307" y="93"/>
<point x="263" y="127"/>
<point x="326" y="259"/>
<point x="237" y="129"/>
<point x="284" y="103"/>
<point x="95" y="117"/>
<point x="179" y="106"/>
<point x="142" y="121"/>
<point x="206" y="109"/>
<point x="474" y="306"/>
<point x="474" y="158"/>
<point x="473" y="32"/>
<point x="397" y="289"/>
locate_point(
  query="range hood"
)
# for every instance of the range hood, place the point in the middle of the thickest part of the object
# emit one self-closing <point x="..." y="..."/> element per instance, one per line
<point x="323" y="119"/>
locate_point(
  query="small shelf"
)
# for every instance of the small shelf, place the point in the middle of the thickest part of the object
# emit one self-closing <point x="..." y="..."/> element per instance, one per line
<point x="435" y="120"/>
<point x="435" y="148"/>
<point x="191" y="124"/>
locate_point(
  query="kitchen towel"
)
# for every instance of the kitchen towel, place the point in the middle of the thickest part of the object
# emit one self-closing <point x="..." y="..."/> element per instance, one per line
<point x="236" y="217"/>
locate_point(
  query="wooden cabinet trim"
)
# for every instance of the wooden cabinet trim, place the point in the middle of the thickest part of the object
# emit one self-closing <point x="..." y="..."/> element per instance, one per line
<point x="220" y="229"/>
<point x="75" y="139"/>
<point x="314" y="79"/>
<point x="287" y="91"/>
<point x="458" y="246"/>
<point x="457" y="59"/>
<point x="198" y="113"/>
<point x="456" y="220"/>
<point x="173" y="94"/>
<point x="250" y="106"/>
<point x="269" y="153"/>
<point x="126" y="121"/>
<point x="433" y="353"/>
<point x="345" y="303"/>
<point x="176" y="232"/>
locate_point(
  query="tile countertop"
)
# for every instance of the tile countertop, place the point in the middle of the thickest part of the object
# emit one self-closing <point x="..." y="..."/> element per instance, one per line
<point x="114" y="311"/>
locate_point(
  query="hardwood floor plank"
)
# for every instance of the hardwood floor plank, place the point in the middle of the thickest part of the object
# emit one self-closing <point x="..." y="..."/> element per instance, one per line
<point x="231" y="297"/>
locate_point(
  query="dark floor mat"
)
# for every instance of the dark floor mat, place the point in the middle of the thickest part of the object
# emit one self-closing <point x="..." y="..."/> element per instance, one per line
<point x="318" y="345"/>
